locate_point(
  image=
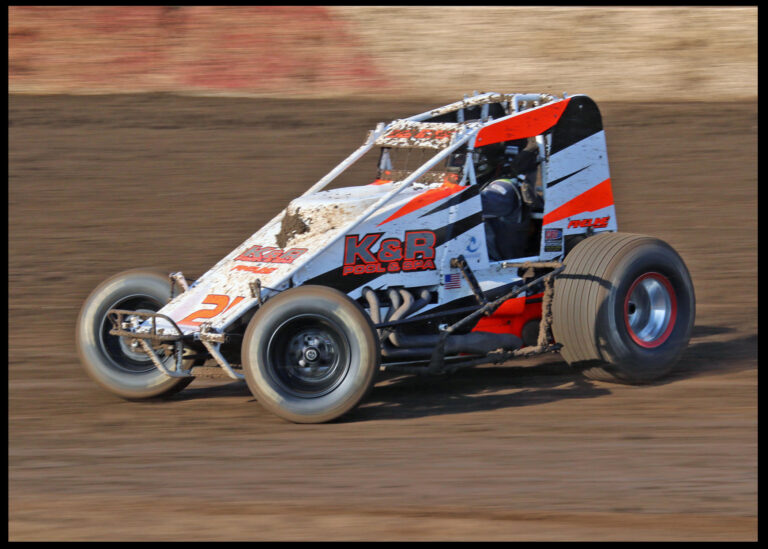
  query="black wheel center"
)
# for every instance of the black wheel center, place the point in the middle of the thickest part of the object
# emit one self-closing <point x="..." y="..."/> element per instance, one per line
<point x="311" y="354"/>
<point x="308" y="355"/>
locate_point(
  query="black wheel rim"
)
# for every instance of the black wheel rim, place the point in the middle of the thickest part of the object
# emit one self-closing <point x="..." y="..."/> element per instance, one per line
<point x="125" y="354"/>
<point x="308" y="355"/>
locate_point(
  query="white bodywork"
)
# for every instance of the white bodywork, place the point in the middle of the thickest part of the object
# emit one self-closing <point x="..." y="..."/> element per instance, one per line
<point x="227" y="291"/>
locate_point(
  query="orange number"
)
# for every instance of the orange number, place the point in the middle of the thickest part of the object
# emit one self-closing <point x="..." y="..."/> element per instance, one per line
<point x="220" y="302"/>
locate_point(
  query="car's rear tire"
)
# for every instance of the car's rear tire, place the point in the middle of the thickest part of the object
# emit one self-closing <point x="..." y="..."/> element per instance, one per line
<point x="110" y="360"/>
<point x="310" y="354"/>
<point x="623" y="308"/>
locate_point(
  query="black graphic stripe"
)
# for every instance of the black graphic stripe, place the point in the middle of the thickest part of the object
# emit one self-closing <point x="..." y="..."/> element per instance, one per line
<point x="470" y="192"/>
<point x="346" y="284"/>
<point x="452" y="230"/>
<point x="561" y="179"/>
<point x="580" y="119"/>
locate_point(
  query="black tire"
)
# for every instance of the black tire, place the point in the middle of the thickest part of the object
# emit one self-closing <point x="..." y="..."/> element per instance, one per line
<point x="108" y="359"/>
<point x="333" y="337"/>
<point x="623" y="308"/>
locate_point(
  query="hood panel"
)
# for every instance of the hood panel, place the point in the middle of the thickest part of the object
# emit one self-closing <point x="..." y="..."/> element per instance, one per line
<point x="274" y="252"/>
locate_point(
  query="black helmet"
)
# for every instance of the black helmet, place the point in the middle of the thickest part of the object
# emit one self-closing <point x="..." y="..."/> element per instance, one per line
<point x="488" y="159"/>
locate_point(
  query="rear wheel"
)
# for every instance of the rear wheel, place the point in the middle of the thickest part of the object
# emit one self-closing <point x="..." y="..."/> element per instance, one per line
<point x="310" y="354"/>
<point x="623" y="308"/>
<point x="112" y="361"/>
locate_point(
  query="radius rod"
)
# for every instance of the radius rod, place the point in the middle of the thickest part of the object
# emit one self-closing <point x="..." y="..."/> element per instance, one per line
<point x="438" y="355"/>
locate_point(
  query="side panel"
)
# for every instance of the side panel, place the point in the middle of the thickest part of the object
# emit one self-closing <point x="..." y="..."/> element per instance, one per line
<point x="402" y="245"/>
<point x="377" y="254"/>
<point x="576" y="177"/>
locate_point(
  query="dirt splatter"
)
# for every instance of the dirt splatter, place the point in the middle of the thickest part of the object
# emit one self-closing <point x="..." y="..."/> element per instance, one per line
<point x="291" y="226"/>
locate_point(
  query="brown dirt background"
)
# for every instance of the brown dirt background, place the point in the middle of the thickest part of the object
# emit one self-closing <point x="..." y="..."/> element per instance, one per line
<point x="521" y="451"/>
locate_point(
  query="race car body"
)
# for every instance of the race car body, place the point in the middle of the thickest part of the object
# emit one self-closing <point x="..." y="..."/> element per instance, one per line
<point x="404" y="233"/>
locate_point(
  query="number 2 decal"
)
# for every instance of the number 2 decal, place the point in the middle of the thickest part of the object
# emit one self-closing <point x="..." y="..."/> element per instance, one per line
<point x="219" y="301"/>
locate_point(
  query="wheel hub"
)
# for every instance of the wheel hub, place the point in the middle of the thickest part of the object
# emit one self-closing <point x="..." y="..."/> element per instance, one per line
<point x="650" y="310"/>
<point x="309" y="354"/>
<point x="315" y="352"/>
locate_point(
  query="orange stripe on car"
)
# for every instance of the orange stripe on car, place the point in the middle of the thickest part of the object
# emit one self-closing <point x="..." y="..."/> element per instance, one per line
<point x="425" y="199"/>
<point x="526" y="124"/>
<point x="598" y="197"/>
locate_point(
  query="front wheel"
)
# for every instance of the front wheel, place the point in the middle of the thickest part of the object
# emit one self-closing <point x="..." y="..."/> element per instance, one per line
<point x="623" y="308"/>
<point x="310" y="354"/>
<point x="113" y="361"/>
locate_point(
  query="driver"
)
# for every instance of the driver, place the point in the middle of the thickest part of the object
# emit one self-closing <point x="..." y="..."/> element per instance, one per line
<point x="506" y="228"/>
<point x="508" y="201"/>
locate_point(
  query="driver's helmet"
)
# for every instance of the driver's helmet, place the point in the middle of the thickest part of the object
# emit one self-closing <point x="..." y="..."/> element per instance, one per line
<point x="488" y="159"/>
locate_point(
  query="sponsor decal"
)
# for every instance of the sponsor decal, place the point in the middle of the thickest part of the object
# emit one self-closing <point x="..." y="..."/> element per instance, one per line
<point x="443" y="234"/>
<point x="253" y="269"/>
<point x="416" y="252"/>
<point x="597" y="223"/>
<point x="473" y="245"/>
<point x="553" y="240"/>
<point x="419" y="134"/>
<point x="452" y="281"/>
<point x="270" y="254"/>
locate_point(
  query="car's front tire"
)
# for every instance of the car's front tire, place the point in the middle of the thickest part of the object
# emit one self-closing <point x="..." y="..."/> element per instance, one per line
<point x="310" y="354"/>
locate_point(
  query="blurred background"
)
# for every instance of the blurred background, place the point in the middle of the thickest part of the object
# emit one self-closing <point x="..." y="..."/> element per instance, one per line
<point x="310" y="51"/>
<point x="163" y="137"/>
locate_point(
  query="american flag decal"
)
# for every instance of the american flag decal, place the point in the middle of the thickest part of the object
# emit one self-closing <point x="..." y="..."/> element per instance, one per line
<point x="452" y="281"/>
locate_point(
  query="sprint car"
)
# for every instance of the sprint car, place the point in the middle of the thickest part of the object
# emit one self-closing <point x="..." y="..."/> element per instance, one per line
<point x="486" y="231"/>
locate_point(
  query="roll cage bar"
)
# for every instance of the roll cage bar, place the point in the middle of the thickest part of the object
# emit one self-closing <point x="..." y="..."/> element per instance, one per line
<point x="463" y="132"/>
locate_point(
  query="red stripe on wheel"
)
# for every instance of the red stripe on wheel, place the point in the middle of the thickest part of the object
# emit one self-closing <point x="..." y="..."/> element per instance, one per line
<point x="664" y="281"/>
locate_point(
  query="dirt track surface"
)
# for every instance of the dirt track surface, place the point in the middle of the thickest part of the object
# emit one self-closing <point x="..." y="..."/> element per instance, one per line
<point x="521" y="451"/>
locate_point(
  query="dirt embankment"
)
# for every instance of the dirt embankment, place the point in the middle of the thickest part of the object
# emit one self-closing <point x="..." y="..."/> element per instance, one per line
<point x="521" y="451"/>
<point x="305" y="51"/>
<point x="623" y="53"/>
